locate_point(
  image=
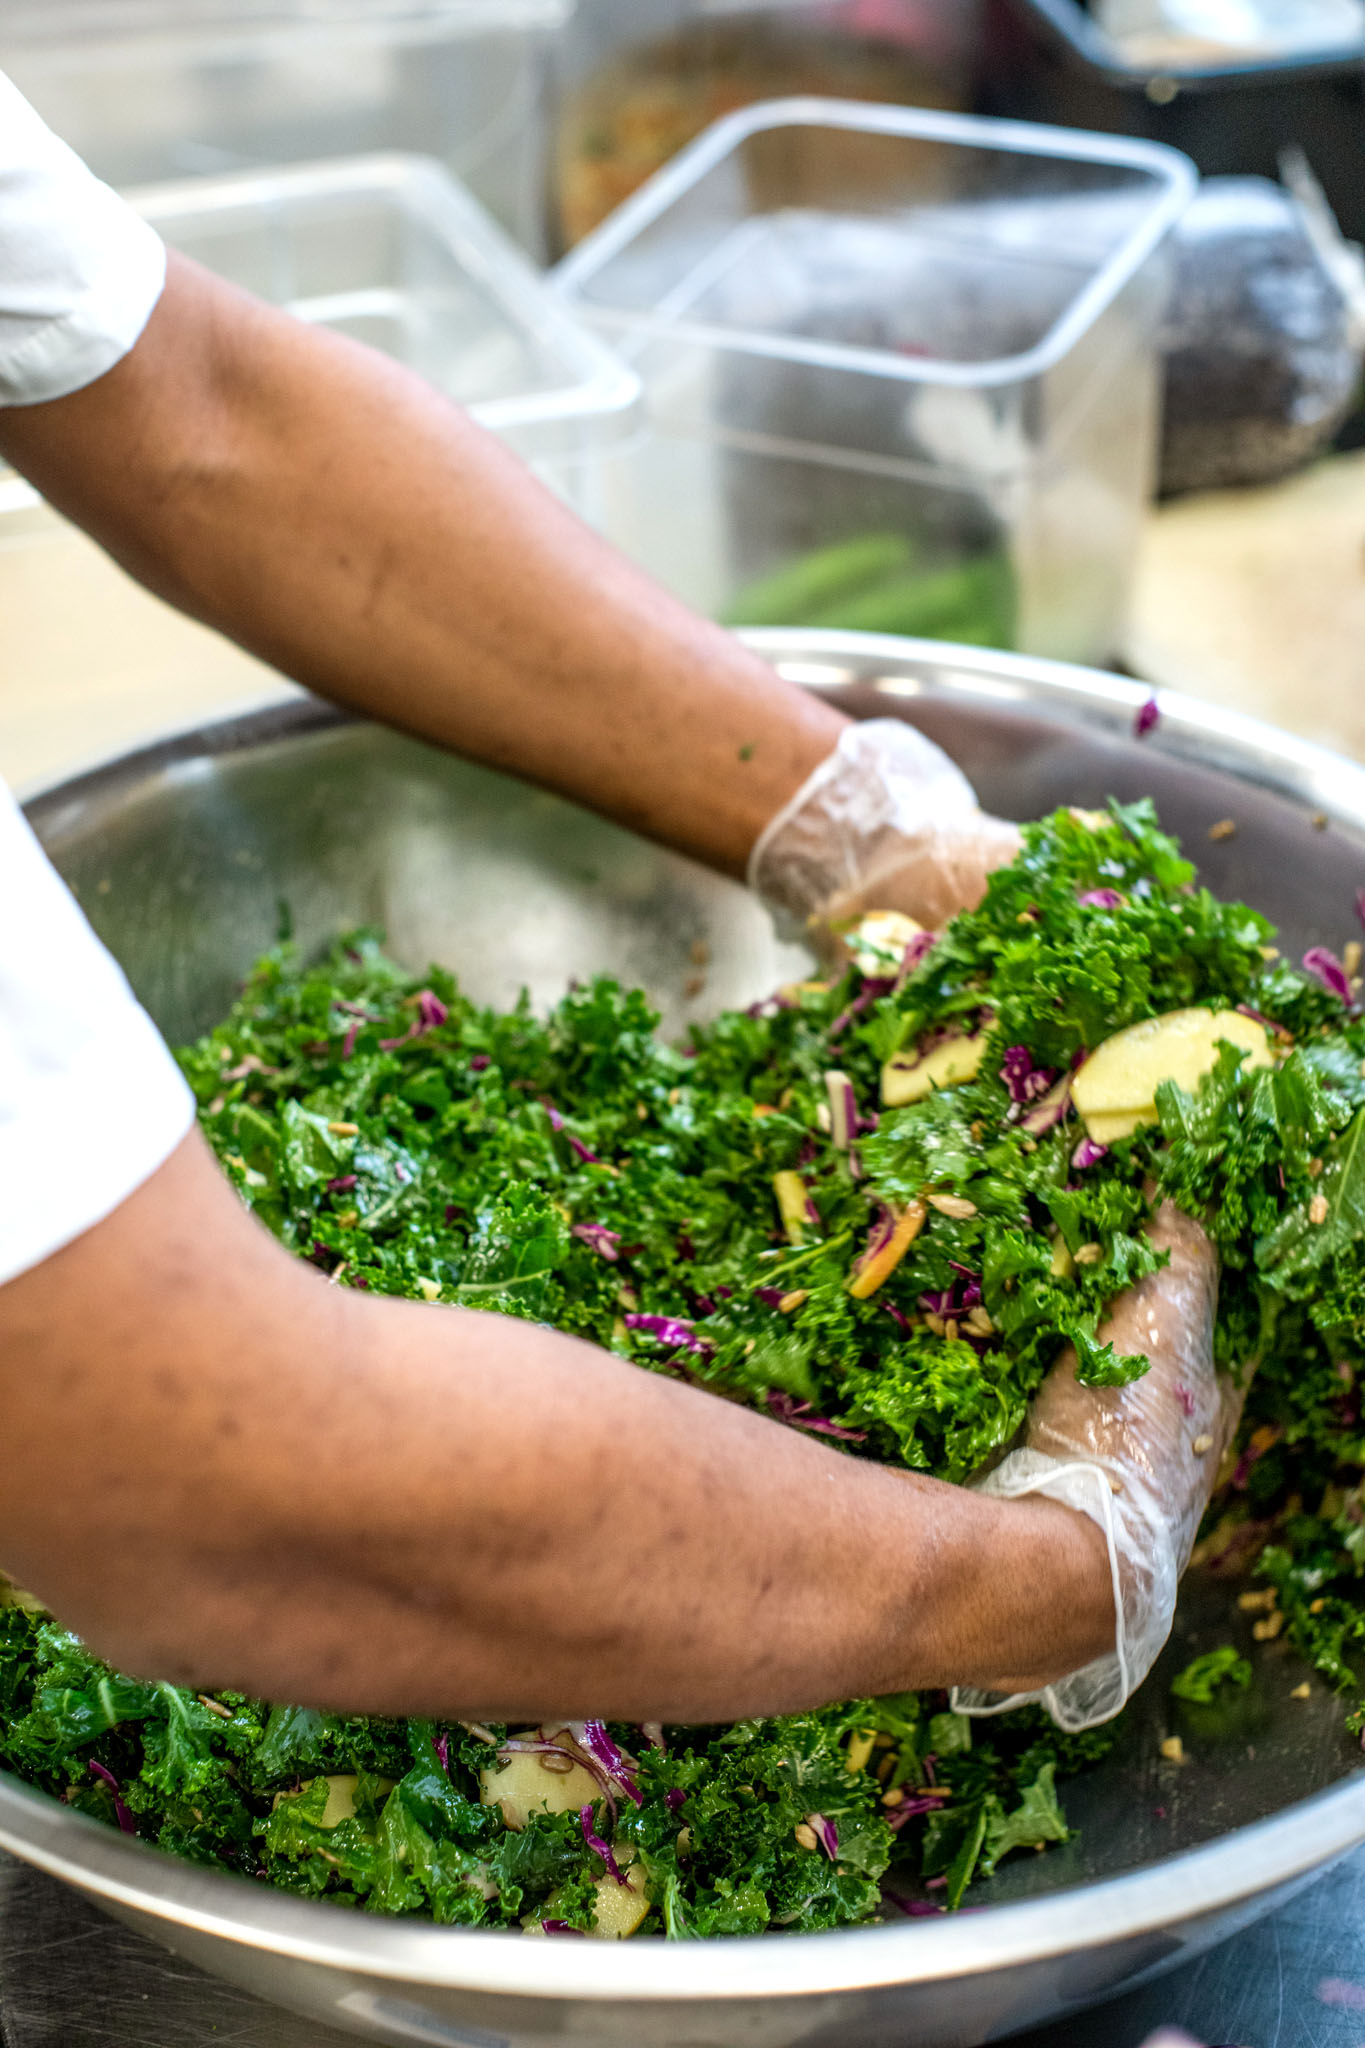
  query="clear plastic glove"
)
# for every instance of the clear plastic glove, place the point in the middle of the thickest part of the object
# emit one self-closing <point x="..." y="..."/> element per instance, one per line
<point x="1140" y="1460"/>
<point x="886" y="822"/>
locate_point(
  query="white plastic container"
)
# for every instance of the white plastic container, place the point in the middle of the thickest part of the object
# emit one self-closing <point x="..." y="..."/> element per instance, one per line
<point x="160" y="89"/>
<point x="900" y="370"/>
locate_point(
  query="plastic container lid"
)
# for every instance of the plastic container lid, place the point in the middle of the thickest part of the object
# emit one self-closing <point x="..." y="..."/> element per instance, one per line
<point x="682" y="258"/>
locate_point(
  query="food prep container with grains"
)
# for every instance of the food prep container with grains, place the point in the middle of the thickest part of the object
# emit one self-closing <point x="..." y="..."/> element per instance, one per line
<point x="636" y="80"/>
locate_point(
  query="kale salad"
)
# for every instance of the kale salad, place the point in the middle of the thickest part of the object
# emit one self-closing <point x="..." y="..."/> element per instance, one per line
<point x="873" y="1207"/>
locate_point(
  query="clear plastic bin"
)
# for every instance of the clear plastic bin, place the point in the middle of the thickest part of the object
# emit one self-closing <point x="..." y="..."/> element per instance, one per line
<point x="391" y="251"/>
<point x="387" y="249"/>
<point x="637" y="80"/>
<point x="159" y="89"/>
<point x="900" y="370"/>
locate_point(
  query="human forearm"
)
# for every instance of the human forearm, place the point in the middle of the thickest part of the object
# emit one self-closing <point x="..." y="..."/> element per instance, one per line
<point x="338" y="517"/>
<point x="234" y="1475"/>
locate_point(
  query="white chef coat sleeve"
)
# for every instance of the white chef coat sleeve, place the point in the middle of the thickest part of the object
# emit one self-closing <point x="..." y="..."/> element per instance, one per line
<point x="91" y="1101"/>
<point x="79" y="271"/>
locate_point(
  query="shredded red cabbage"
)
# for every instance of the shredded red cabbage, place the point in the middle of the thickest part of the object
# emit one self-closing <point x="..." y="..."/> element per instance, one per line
<point x="1025" y="1082"/>
<point x="561" y="1927"/>
<point x="431" y="1012"/>
<point x="1184" y="1397"/>
<point x="898" y="1317"/>
<point x="580" y="1150"/>
<point x="348" y="1042"/>
<point x="1103" y="899"/>
<point x="964" y="1294"/>
<point x="916" y="951"/>
<point x="1088" y="1153"/>
<point x="1324" y="965"/>
<point x="343" y="1184"/>
<point x="826" y="1834"/>
<point x="670" y="1330"/>
<point x="675" y="1800"/>
<point x="607" y="1243"/>
<point x="556" y="1120"/>
<point x="869" y="993"/>
<point x="771" y="1297"/>
<point x="798" y="1415"/>
<point x="592" y="1737"/>
<point x="442" y="1749"/>
<point x="1148" y="717"/>
<point x="911" y="1809"/>
<point x="479" y="1062"/>
<point x="597" y="1845"/>
<point x="121" y="1813"/>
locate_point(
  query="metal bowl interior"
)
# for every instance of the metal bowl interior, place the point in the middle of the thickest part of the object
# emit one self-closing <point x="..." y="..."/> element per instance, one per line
<point x="182" y="856"/>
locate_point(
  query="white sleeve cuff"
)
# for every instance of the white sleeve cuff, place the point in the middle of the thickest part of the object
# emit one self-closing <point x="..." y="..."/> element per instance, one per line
<point x="91" y="1132"/>
<point x="91" y="1101"/>
<point x="80" y="272"/>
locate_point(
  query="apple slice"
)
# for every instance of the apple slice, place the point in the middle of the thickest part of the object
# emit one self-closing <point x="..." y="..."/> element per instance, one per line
<point x="879" y="939"/>
<point x="528" y="1782"/>
<point x="619" y="1908"/>
<point x="1115" y="1091"/>
<point x="910" y="1076"/>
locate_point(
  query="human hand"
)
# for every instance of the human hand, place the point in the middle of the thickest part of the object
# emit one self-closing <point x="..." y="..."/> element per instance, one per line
<point x="1139" y="1460"/>
<point x="886" y="822"/>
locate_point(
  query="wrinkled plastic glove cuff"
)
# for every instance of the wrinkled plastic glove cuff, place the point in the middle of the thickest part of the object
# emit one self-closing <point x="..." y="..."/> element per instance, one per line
<point x="1144" y="1573"/>
<point x="883" y="786"/>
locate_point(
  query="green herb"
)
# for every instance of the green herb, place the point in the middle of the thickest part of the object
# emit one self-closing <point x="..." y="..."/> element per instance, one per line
<point x="412" y="1143"/>
<point x="1203" y="1677"/>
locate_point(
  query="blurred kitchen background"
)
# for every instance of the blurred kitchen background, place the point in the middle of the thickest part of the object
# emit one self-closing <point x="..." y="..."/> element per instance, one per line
<point x="768" y="293"/>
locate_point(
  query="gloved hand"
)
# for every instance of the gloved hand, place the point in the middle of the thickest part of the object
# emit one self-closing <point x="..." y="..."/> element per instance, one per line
<point x="1140" y="1460"/>
<point x="886" y="822"/>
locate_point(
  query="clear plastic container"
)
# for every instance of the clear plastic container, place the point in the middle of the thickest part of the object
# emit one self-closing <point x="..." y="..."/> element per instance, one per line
<point x="640" y="79"/>
<point x="388" y="250"/>
<point x="391" y="251"/>
<point x="159" y="89"/>
<point x="900" y="370"/>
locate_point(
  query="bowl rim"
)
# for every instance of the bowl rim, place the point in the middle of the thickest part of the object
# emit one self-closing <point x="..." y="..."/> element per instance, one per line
<point x="1185" y="1888"/>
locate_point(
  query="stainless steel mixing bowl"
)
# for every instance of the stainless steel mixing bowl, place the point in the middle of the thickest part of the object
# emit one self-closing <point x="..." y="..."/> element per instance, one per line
<point x="181" y="855"/>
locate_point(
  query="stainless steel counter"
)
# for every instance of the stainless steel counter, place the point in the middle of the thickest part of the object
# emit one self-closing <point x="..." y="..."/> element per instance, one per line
<point x="71" y="1978"/>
